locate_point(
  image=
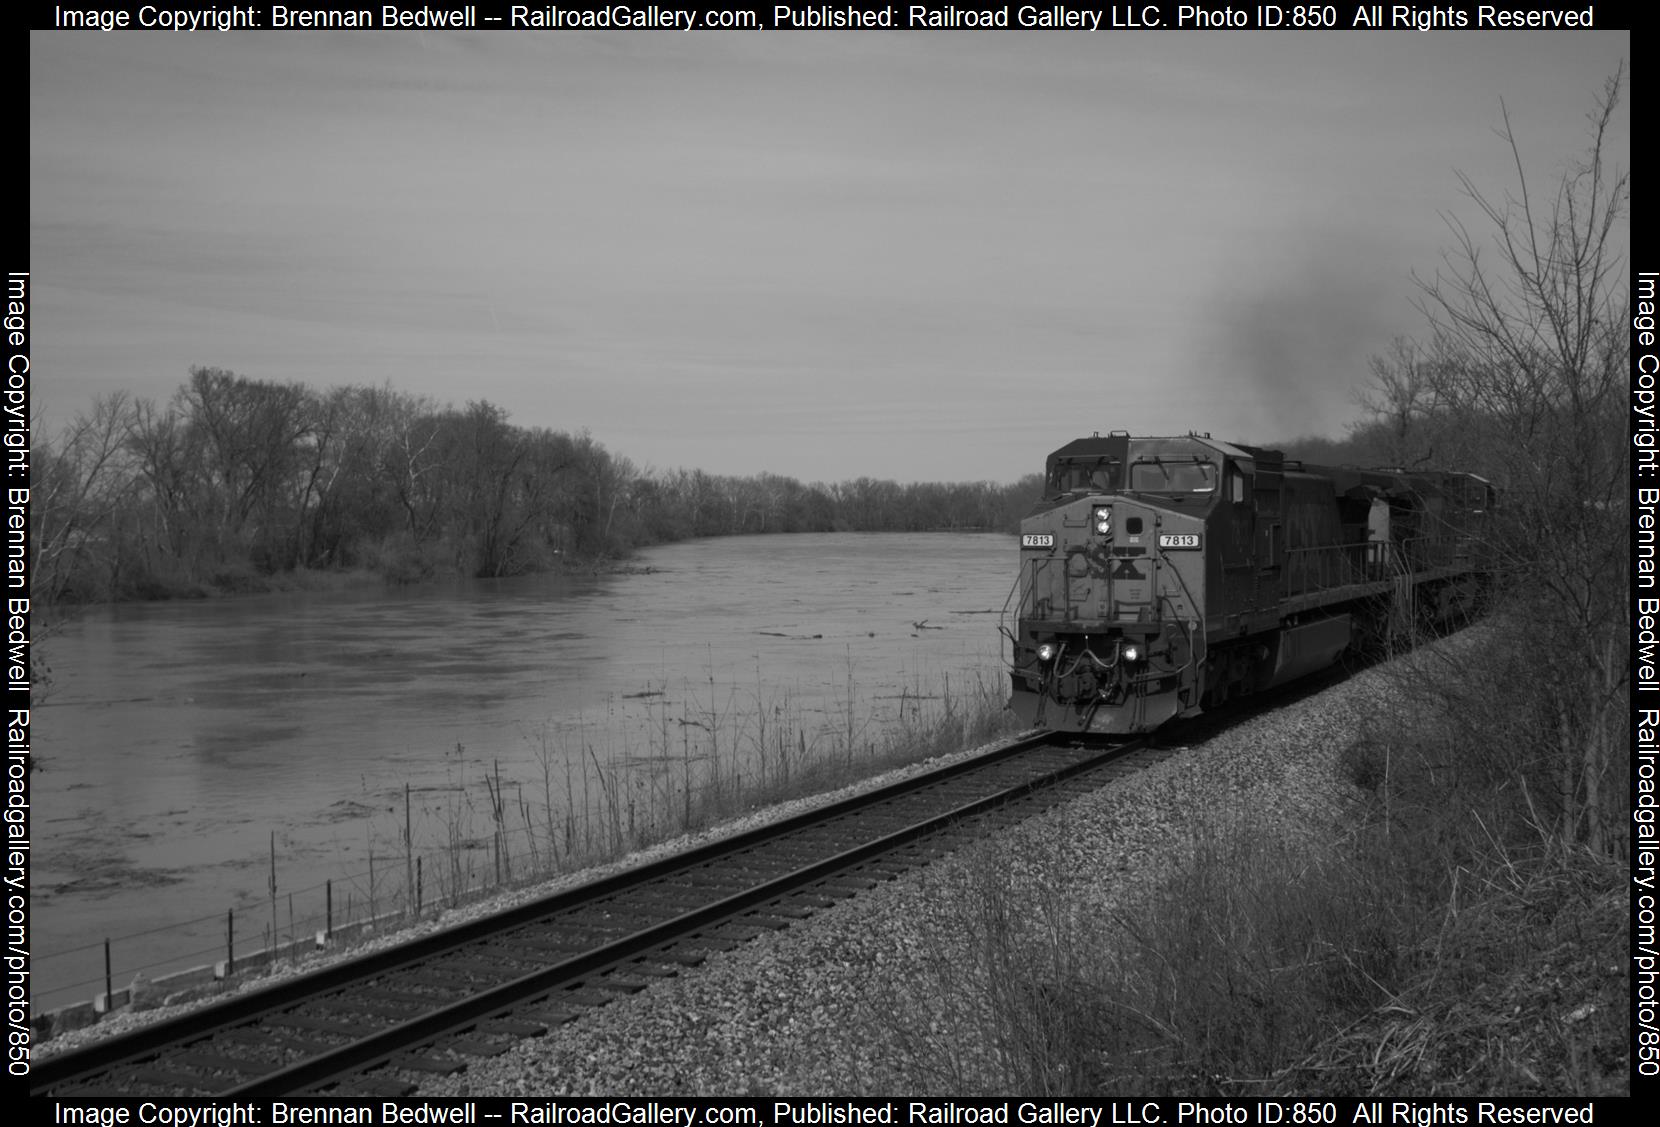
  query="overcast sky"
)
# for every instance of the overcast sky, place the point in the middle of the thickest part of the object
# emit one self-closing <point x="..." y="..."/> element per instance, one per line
<point x="923" y="256"/>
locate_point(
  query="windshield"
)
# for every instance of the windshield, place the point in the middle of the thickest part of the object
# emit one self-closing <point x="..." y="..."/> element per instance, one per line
<point x="1156" y="476"/>
<point x="1097" y="474"/>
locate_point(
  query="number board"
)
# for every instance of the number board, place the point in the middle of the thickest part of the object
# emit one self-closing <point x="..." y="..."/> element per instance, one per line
<point x="1178" y="539"/>
<point x="1037" y="540"/>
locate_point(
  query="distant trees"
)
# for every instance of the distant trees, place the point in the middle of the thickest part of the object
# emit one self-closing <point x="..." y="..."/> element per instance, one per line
<point x="234" y="479"/>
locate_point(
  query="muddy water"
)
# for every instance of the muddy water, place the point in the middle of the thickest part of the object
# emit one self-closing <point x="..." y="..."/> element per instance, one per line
<point x="180" y="740"/>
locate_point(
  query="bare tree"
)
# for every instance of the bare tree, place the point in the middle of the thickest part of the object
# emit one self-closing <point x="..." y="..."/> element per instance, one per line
<point x="1526" y="367"/>
<point x="80" y="486"/>
<point x="1403" y="401"/>
<point x="248" y="435"/>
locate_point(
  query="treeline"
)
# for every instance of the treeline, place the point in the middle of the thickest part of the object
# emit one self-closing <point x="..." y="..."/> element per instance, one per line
<point x="235" y="481"/>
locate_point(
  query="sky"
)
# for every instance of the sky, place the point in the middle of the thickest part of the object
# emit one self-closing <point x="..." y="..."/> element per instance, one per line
<point x="928" y="256"/>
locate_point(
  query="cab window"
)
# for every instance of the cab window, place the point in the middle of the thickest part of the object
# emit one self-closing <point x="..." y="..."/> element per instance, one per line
<point x="1155" y="475"/>
<point x="1098" y="475"/>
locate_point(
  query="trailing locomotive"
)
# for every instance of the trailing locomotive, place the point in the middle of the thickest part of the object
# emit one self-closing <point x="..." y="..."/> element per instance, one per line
<point x="1162" y="576"/>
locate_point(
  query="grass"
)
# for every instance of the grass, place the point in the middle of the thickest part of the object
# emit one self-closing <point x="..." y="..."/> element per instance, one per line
<point x="716" y="755"/>
<point x="1007" y="997"/>
<point x="591" y="798"/>
<point x="574" y="803"/>
<point x="1438" y="935"/>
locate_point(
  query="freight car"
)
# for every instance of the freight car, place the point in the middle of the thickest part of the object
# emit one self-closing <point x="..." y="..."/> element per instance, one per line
<point x="1163" y="576"/>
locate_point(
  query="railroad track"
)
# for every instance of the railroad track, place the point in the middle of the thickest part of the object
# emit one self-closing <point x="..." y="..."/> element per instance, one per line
<point x="372" y="1025"/>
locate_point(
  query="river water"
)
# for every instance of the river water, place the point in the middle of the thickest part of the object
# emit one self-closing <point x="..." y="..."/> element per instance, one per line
<point x="183" y="745"/>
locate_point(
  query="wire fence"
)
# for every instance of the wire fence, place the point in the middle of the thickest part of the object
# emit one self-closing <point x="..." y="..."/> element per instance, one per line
<point x="496" y="833"/>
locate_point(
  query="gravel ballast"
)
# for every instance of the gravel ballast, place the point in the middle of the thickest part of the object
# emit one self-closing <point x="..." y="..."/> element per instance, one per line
<point x="848" y="1001"/>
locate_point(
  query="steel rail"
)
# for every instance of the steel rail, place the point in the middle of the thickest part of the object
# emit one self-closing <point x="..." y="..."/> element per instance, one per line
<point x="142" y="1044"/>
<point x="381" y="1048"/>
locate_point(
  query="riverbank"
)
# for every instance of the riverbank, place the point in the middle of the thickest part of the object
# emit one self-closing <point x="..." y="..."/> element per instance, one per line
<point x="1214" y="925"/>
<point x="1224" y="923"/>
<point x="951" y="738"/>
<point x="195" y="753"/>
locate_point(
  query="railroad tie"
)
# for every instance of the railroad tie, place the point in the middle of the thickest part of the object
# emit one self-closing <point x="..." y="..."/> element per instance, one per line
<point x="439" y="1065"/>
<point x="267" y="1039"/>
<point x="755" y="923"/>
<point x="314" y="1024"/>
<point x="368" y="1005"/>
<point x="846" y="886"/>
<point x="512" y="1027"/>
<point x="405" y="997"/>
<point x="372" y="1086"/>
<point x="686" y="958"/>
<point x="789" y="912"/>
<point x="619" y="984"/>
<point x="585" y="995"/>
<point x="165" y="1079"/>
<point x="214" y="1062"/>
<point x="553" y="1016"/>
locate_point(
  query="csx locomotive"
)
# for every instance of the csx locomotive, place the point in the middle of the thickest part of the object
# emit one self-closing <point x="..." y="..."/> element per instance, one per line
<point x="1162" y="576"/>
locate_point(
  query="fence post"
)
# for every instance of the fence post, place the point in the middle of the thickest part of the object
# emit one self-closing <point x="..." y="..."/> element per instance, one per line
<point x="495" y="814"/>
<point x="109" y="983"/>
<point x="273" y="896"/>
<point x="230" y="941"/>
<point x="328" y="910"/>
<point x="417" y="888"/>
<point x="408" y="850"/>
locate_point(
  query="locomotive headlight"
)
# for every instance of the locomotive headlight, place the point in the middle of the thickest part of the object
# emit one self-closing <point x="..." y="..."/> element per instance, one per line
<point x="1131" y="652"/>
<point x="1046" y="652"/>
<point x="1103" y="521"/>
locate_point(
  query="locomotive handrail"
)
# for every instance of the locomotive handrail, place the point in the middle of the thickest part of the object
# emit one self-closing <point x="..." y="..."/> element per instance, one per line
<point x="1003" y="615"/>
<point x="1377" y="560"/>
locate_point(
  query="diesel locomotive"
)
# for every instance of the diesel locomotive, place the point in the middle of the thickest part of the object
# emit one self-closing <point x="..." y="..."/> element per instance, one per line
<point x="1163" y="576"/>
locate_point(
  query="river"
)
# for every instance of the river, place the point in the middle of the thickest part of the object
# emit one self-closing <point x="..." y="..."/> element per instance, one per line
<point x="183" y="745"/>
